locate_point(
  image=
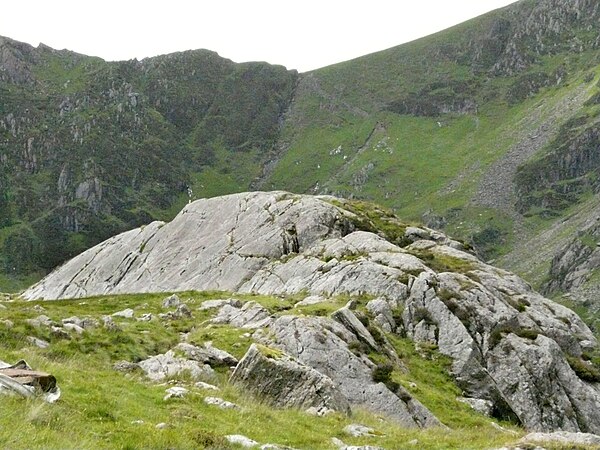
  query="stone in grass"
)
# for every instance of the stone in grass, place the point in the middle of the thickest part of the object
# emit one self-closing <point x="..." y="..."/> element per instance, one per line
<point x="40" y="343"/>
<point x="342" y="446"/>
<point x="239" y="439"/>
<point x="479" y="405"/>
<point x="219" y="402"/>
<point x="567" y="438"/>
<point x="358" y="430"/>
<point x="125" y="366"/>
<point x="206" y="386"/>
<point x="162" y="426"/>
<point x="126" y="313"/>
<point x="172" y="301"/>
<point x="213" y="304"/>
<point x="168" y="365"/>
<point x="285" y="382"/>
<point x="175" y="392"/>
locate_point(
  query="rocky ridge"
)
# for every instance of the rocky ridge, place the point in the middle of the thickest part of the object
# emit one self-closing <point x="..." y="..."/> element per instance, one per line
<point x="510" y="346"/>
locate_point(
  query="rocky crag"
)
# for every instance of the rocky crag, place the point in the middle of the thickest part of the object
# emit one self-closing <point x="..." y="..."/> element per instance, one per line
<point x="500" y="111"/>
<point x="525" y="356"/>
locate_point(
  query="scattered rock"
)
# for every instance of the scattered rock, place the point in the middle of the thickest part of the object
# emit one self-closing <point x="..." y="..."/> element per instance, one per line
<point x="3" y="306"/>
<point x="206" y="386"/>
<point x="84" y="323"/>
<point x="38" y="308"/>
<point x="350" y="321"/>
<point x="7" y="323"/>
<point x="60" y="333"/>
<point x="251" y="316"/>
<point x="137" y="422"/>
<point x="171" y="301"/>
<point x="480" y="405"/>
<point x="125" y="366"/>
<point x="213" y="304"/>
<point x="282" y="380"/>
<point x="319" y="412"/>
<point x="126" y="313"/>
<point x="162" y="426"/>
<point x="310" y="300"/>
<point x="175" y="392"/>
<point x="223" y="404"/>
<point x="110" y="324"/>
<point x="147" y="317"/>
<point x="562" y="437"/>
<point x="183" y="311"/>
<point x="73" y="327"/>
<point x="207" y="354"/>
<point x="239" y="439"/>
<point x="41" y="321"/>
<point x="168" y="365"/>
<point x="382" y="313"/>
<point x="358" y="430"/>
<point x="40" y="343"/>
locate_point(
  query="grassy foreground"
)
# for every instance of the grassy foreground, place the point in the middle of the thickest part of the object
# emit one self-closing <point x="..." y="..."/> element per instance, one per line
<point x="103" y="408"/>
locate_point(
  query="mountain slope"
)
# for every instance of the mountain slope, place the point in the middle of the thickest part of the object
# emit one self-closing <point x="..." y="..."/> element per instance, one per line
<point x="486" y="130"/>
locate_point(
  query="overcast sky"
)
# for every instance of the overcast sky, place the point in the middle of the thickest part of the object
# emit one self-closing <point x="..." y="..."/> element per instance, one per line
<point x="301" y="34"/>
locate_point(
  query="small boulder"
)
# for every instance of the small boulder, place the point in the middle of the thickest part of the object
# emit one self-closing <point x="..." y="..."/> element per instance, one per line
<point x="126" y="313"/>
<point x="219" y="402"/>
<point x="358" y="430"/>
<point x="125" y="366"/>
<point x="566" y="438"/>
<point x="206" y="386"/>
<point x="207" y="354"/>
<point x="214" y="304"/>
<point x="352" y="324"/>
<point x="41" y="321"/>
<point x="285" y="382"/>
<point x="250" y="316"/>
<point x="480" y="405"/>
<point x="73" y="327"/>
<point x="168" y="365"/>
<point x="171" y="301"/>
<point x="239" y="439"/>
<point x="40" y="343"/>
<point x="175" y="392"/>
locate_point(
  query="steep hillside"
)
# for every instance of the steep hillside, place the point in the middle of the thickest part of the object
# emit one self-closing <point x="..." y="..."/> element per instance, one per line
<point x="90" y="148"/>
<point x="487" y="130"/>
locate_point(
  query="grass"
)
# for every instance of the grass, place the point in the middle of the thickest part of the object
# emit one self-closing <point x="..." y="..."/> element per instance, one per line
<point x="102" y="408"/>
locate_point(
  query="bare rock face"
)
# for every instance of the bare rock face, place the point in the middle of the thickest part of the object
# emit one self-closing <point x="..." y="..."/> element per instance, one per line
<point x="511" y="347"/>
<point x="277" y="377"/>
<point x="322" y="344"/>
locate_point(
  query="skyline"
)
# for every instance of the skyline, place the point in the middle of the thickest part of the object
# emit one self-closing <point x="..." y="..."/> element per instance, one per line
<point x="315" y="35"/>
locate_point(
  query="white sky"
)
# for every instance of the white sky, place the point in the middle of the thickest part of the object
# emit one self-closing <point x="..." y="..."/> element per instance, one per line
<point x="301" y="34"/>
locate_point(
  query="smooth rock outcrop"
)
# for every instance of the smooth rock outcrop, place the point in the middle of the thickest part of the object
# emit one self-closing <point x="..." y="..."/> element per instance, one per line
<point x="509" y="345"/>
<point x="278" y="378"/>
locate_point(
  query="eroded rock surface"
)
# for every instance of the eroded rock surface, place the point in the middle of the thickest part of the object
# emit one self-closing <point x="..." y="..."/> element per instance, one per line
<point x="509" y="346"/>
<point x="285" y="382"/>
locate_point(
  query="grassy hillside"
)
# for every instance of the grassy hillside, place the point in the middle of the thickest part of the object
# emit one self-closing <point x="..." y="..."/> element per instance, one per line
<point x="103" y="408"/>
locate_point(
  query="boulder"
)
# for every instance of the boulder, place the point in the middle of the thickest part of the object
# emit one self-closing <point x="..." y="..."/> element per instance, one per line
<point x="172" y="301"/>
<point x="219" y="402"/>
<point x="207" y="354"/>
<point x="167" y="365"/>
<point x="250" y="316"/>
<point x="283" y="381"/>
